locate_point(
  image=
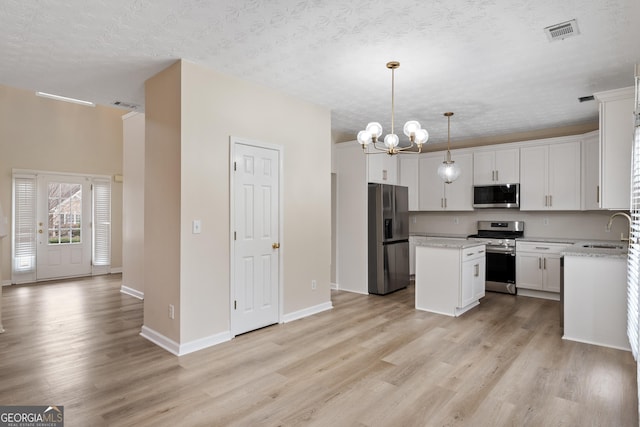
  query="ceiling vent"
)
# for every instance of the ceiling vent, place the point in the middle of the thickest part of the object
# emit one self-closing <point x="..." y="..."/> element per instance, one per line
<point x="586" y="98"/>
<point x="127" y="105"/>
<point x="562" y="31"/>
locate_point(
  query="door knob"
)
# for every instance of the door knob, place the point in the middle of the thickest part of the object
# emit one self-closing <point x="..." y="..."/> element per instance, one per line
<point x="40" y="231"/>
<point x="276" y="245"/>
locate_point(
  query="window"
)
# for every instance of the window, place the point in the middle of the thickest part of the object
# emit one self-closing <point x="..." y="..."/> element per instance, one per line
<point x="633" y="268"/>
<point x="24" y="224"/>
<point x="101" y="222"/>
<point x="65" y="212"/>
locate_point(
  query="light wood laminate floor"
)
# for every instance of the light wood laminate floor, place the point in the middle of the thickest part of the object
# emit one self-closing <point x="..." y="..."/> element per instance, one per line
<point x="371" y="361"/>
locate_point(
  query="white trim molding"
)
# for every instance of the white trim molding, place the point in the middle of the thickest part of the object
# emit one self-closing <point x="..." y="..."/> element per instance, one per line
<point x="306" y="312"/>
<point x="115" y="270"/>
<point x="181" y="349"/>
<point x="6" y="283"/>
<point x="131" y="292"/>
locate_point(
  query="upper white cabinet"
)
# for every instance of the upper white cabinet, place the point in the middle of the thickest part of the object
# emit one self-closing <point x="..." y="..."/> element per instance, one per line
<point x="590" y="172"/>
<point x="409" y="178"/>
<point x="434" y="194"/>
<point x="382" y="168"/>
<point x="550" y="176"/>
<point x="501" y="166"/>
<point x="616" y="138"/>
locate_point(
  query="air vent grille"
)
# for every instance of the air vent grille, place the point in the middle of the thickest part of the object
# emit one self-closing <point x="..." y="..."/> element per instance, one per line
<point x="562" y="31"/>
<point x="128" y="105"/>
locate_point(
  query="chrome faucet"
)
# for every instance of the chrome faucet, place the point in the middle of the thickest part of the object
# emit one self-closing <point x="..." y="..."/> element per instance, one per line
<point x="628" y="219"/>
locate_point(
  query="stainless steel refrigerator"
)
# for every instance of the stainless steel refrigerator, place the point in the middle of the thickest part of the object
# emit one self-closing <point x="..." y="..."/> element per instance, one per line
<point x="388" y="242"/>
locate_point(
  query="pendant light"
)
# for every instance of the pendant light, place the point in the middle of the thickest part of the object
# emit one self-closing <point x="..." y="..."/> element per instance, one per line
<point x="448" y="170"/>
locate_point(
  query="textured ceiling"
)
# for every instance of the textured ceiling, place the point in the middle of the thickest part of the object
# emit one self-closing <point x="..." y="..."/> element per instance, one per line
<point x="490" y="61"/>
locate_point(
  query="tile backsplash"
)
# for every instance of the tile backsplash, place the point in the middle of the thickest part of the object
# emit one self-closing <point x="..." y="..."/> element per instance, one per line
<point x="573" y="225"/>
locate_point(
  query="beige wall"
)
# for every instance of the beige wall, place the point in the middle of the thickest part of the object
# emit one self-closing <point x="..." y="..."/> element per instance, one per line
<point x="162" y="199"/>
<point x="214" y="108"/>
<point x="133" y="202"/>
<point x="43" y="134"/>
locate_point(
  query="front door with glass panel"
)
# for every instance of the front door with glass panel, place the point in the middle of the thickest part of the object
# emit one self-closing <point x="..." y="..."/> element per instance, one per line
<point x="63" y="226"/>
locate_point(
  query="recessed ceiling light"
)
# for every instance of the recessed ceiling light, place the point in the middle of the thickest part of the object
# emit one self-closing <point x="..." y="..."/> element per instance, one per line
<point x="65" y="99"/>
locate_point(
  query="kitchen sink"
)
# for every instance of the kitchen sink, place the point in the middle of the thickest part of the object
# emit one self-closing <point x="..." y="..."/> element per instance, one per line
<point x="602" y="246"/>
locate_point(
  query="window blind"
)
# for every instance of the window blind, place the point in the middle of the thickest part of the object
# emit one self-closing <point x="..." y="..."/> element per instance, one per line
<point x="101" y="222"/>
<point x="633" y="263"/>
<point x="24" y="224"/>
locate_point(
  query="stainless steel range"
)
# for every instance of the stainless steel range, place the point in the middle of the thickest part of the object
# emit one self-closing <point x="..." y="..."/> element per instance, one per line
<point x="500" y="238"/>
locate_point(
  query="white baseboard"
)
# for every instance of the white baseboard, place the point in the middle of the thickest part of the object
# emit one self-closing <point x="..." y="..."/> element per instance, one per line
<point x="6" y="283"/>
<point x="182" y="349"/>
<point x="538" y="294"/>
<point x="334" y="286"/>
<point x="310" y="311"/>
<point x="564" y="337"/>
<point x="115" y="270"/>
<point x="131" y="292"/>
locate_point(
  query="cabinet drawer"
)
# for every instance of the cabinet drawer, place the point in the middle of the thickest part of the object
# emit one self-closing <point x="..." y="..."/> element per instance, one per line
<point x="541" y="247"/>
<point x="473" y="253"/>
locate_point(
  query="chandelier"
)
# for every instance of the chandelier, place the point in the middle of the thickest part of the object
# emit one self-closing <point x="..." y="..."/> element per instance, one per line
<point x="448" y="170"/>
<point x="373" y="131"/>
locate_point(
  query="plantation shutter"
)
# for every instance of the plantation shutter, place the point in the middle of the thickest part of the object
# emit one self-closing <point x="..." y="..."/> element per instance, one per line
<point x="633" y="269"/>
<point x="24" y="224"/>
<point x="101" y="222"/>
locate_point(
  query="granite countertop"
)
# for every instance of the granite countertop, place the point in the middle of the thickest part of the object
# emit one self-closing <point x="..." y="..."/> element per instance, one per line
<point x="550" y="240"/>
<point x="450" y="243"/>
<point x="439" y="235"/>
<point x="578" y="249"/>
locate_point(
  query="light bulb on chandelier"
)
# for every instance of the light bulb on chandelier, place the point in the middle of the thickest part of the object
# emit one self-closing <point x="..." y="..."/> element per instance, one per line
<point x="448" y="170"/>
<point x="373" y="131"/>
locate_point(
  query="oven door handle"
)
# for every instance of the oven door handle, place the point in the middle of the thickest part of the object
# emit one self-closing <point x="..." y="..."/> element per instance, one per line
<point x="500" y="250"/>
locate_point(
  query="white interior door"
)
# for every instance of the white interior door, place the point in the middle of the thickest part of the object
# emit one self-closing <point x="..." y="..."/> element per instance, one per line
<point x="63" y="215"/>
<point x="256" y="194"/>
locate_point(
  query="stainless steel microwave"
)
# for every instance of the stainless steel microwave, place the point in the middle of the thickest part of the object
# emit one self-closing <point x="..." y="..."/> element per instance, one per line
<point x="496" y="196"/>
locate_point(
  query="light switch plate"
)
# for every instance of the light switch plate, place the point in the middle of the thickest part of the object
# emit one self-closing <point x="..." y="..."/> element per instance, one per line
<point x="196" y="226"/>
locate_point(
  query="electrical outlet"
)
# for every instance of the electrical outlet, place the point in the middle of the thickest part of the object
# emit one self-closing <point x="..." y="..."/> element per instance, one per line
<point x="314" y="285"/>
<point x="196" y="226"/>
<point x="172" y="312"/>
<point x="545" y="221"/>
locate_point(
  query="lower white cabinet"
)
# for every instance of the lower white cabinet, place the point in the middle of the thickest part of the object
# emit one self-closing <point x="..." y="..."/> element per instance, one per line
<point x="538" y="265"/>
<point x="450" y="276"/>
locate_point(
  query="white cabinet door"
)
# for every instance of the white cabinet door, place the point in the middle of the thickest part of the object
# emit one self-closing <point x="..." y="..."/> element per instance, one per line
<point x="434" y="194"/>
<point x="382" y="168"/>
<point x="479" y="278"/>
<point x="409" y="178"/>
<point x="564" y="176"/>
<point x="484" y="168"/>
<point x="533" y="178"/>
<point x="458" y="195"/>
<point x="496" y="167"/>
<point x="528" y="270"/>
<point x="466" y="284"/>
<point x="590" y="185"/>
<point x="616" y="138"/>
<point x="508" y="166"/>
<point x="550" y="177"/>
<point x="551" y="273"/>
<point x="430" y="190"/>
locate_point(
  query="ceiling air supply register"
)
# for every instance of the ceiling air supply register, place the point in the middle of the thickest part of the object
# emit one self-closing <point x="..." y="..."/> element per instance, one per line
<point x="496" y="196"/>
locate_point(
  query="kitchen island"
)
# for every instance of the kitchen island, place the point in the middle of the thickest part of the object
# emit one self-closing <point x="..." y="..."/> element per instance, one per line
<point x="595" y="296"/>
<point x="450" y="275"/>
